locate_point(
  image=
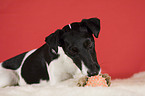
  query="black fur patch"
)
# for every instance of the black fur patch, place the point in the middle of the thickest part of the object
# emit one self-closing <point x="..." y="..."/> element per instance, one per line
<point x="34" y="68"/>
<point x="14" y="63"/>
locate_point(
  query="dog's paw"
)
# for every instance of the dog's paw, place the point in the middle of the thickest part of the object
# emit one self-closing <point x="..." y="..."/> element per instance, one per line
<point x="82" y="81"/>
<point x="107" y="78"/>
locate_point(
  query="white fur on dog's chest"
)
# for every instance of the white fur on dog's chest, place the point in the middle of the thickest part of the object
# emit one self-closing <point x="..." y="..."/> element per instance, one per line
<point x="62" y="68"/>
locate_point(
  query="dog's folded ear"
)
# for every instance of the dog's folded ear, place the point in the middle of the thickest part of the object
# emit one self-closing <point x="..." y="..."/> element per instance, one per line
<point x="93" y="25"/>
<point x="53" y="40"/>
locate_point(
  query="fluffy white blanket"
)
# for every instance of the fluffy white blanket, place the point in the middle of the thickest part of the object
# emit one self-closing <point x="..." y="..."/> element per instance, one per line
<point x="134" y="86"/>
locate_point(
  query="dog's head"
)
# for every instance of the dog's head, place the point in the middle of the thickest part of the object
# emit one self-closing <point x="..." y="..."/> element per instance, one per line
<point x="78" y="43"/>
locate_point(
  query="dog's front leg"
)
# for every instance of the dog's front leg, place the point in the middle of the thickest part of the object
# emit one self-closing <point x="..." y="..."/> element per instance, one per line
<point x="80" y="79"/>
<point x="74" y="82"/>
<point x="77" y="79"/>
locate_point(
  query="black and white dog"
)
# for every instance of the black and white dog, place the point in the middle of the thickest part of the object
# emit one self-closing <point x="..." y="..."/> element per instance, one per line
<point x="68" y="53"/>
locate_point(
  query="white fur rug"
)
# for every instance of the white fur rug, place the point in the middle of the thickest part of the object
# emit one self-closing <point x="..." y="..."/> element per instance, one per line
<point x="134" y="86"/>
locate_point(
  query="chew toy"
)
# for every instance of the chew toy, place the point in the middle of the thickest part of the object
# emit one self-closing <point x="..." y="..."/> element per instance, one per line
<point x="99" y="80"/>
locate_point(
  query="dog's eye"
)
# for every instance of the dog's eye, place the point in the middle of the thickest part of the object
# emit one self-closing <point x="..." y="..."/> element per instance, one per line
<point x="73" y="50"/>
<point x="88" y="44"/>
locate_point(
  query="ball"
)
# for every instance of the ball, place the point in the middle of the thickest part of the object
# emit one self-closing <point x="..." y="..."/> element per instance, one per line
<point x="96" y="81"/>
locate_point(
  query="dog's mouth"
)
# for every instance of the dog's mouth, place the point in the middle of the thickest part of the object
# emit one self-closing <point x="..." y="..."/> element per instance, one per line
<point x="93" y="73"/>
<point x="91" y="69"/>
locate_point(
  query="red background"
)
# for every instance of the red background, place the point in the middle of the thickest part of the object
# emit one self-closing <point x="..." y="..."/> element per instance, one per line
<point x="24" y="24"/>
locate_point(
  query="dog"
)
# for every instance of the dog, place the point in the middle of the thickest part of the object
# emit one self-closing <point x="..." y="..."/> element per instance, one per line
<point x="68" y="53"/>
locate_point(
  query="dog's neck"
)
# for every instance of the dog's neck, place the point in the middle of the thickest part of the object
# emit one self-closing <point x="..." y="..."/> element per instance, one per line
<point x="62" y="65"/>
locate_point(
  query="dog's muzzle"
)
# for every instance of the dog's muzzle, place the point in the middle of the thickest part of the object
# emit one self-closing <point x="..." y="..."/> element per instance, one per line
<point x="94" y="70"/>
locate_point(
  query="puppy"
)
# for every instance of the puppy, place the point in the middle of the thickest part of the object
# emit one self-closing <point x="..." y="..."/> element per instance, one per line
<point x="68" y="53"/>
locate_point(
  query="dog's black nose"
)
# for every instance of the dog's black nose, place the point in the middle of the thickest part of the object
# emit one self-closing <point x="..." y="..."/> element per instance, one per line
<point x="92" y="73"/>
<point x="94" y="70"/>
